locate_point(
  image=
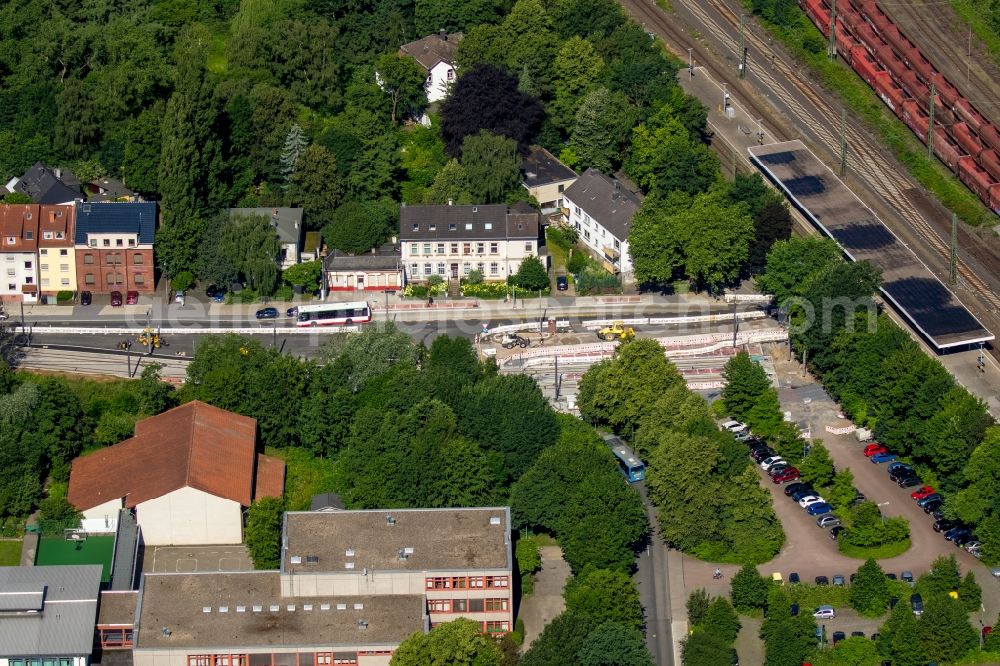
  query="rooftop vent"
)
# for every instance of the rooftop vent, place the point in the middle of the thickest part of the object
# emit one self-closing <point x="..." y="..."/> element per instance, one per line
<point x="274" y="608"/>
<point x="341" y="606"/>
<point x="348" y="565"/>
<point x="494" y="520"/>
<point x="312" y="559"/>
<point x="307" y="607"/>
<point x="296" y="559"/>
<point x="362" y="625"/>
<point x="206" y="609"/>
<point x="241" y="609"/>
<point x="408" y="550"/>
<point x="324" y="606"/>
<point x="290" y="608"/>
<point x="223" y="609"/>
<point x="166" y="632"/>
<point x="349" y="552"/>
<point x="390" y="521"/>
<point x="359" y="606"/>
<point x="403" y="555"/>
<point x="257" y="608"/>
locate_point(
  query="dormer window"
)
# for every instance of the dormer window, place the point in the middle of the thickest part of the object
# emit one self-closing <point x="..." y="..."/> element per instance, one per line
<point x="451" y="226"/>
<point x="47" y="235"/>
<point x="29" y="235"/>
<point x="433" y="227"/>
<point x="468" y="226"/>
<point x="416" y="227"/>
<point x="11" y="240"/>
<point x="488" y="226"/>
<point x="60" y="234"/>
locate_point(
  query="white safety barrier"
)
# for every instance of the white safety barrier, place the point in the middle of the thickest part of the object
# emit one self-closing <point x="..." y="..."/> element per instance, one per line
<point x="305" y="330"/>
<point x="524" y="326"/>
<point x="748" y="298"/>
<point x="683" y="319"/>
<point x="705" y="386"/>
<point x="563" y="350"/>
<point x="846" y="430"/>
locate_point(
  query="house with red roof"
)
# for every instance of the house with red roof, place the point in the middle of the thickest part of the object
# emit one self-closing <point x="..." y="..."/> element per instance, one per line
<point x="188" y="474"/>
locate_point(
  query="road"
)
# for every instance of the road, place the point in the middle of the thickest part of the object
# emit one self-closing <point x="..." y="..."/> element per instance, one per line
<point x="653" y="580"/>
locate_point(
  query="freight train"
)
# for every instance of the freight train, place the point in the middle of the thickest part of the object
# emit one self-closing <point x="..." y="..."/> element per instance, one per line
<point x="963" y="139"/>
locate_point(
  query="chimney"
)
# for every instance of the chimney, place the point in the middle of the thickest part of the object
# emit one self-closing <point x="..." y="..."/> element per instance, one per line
<point x="443" y="34"/>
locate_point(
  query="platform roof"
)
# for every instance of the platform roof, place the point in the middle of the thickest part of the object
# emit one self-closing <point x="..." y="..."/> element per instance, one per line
<point x="930" y="307"/>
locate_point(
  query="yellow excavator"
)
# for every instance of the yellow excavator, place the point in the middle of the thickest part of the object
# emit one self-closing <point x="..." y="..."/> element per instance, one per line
<point x="148" y="337"/>
<point x="617" y="331"/>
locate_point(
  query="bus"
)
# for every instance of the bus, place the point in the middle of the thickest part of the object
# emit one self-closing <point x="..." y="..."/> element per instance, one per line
<point x="629" y="464"/>
<point x="334" y="314"/>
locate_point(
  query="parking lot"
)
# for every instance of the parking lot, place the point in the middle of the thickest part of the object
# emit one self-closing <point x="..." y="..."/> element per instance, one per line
<point x="191" y="559"/>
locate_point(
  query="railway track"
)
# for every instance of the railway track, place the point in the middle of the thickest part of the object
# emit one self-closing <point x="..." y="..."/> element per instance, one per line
<point x="865" y="157"/>
<point x="937" y="31"/>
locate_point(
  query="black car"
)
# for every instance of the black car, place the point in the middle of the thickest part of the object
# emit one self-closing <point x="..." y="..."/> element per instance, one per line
<point x="963" y="539"/>
<point x="891" y="576"/>
<point x="958" y="532"/>
<point x="838" y="636"/>
<point x="794" y="608"/>
<point x="944" y="525"/>
<point x="116" y="299"/>
<point x="931" y="507"/>
<point x="86" y="298"/>
<point x="793" y="578"/>
<point x="909" y="481"/>
<point x="562" y="284"/>
<point x="917" y="604"/>
<point x="758" y="455"/>
<point x="938" y="514"/>
<point x="793" y="488"/>
<point x="822" y="580"/>
<point x="802" y="493"/>
<point x="211" y="290"/>
<point x="901" y="471"/>
<point x="292" y="311"/>
<point x="267" y="313"/>
<point x="859" y="634"/>
<point x="753" y="443"/>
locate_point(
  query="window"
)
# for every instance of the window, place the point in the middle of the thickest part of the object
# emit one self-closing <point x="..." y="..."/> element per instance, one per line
<point x="427" y="269"/>
<point x="440" y="248"/>
<point x="64" y="281"/>
<point x="576" y="211"/>
<point x="427" y="248"/>
<point x="43" y="267"/>
<point x="29" y="235"/>
<point x="414" y="269"/>
<point x="414" y="248"/>
<point x="529" y="246"/>
<point x="11" y="272"/>
<point x="28" y="265"/>
<point x="480" y="248"/>
<point x="43" y="252"/>
<point x="454" y="248"/>
<point x="561" y="188"/>
<point x="494" y="248"/>
<point x="88" y="278"/>
<point x="494" y="268"/>
<point x="119" y="242"/>
<point x="468" y="226"/>
<point x="137" y="259"/>
<point x="494" y="627"/>
<point x="10" y="240"/>
<point x="88" y="258"/>
<point x="496" y="604"/>
<point x="139" y="278"/>
<point x="64" y="268"/>
<point x="475" y="605"/>
<point x="107" y="242"/>
<point x="59" y="235"/>
<point x="47" y="235"/>
<point x="93" y="242"/>
<point x="433" y="227"/>
<point x="448" y="583"/>
<point x="64" y="253"/>
<point x="586" y="234"/>
<point x="450" y="74"/>
<point x="131" y="242"/>
<point x="496" y="581"/>
<point x="45" y="282"/>
<point x="459" y="605"/>
<point x="451" y="226"/>
<point x="441" y="268"/>
<point x="109" y="259"/>
<point x="11" y="286"/>
<point x="466" y="268"/>
<point x="618" y="244"/>
<point x="439" y="605"/>
<point x="29" y="280"/>
<point x="111" y="278"/>
<point x="480" y="266"/>
<point x="488" y="226"/>
<point x="466" y="248"/>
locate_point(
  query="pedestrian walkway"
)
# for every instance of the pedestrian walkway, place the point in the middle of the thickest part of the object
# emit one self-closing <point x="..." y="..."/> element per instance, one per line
<point x="546" y="602"/>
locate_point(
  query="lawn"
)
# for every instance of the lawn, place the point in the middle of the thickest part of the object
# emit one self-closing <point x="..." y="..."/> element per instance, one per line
<point x="10" y="552"/>
<point x="879" y="552"/>
<point x="54" y="550"/>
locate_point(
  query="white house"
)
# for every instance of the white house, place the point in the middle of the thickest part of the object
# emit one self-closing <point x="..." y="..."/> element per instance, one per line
<point x="18" y="244"/>
<point x="453" y="241"/>
<point x="187" y="473"/>
<point x="436" y="54"/>
<point x="601" y="211"/>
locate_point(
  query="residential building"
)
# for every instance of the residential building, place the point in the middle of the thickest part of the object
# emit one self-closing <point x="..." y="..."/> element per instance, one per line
<point x="188" y="474"/>
<point x="47" y="186"/>
<point x="546" y="178"/>
<point x="287" y="224"/>
<point x="114" y="246"/>
<point x="109" y="189"/>
<point x="436" y="54"/>
<point x="452" y="241"/>
<point x="601" y="211"/>
<point x="18" y="261"/>
<point x="56" y="255"/>
<point x="47" y="614"/>
<point x="377" y="270"/>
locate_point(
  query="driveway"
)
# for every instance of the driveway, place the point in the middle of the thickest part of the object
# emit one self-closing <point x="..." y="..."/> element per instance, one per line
<point x="546" y="602"/>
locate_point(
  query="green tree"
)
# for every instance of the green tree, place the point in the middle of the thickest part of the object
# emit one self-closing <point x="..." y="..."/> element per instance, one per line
<point x="16" y="198"/>
<point x="944" y="628"/>
<point x="853" y="651"/>
<point x="356" y="227"/>
<point x="601" y="595"/>
<point x="450" y="184"/>
<point x="899" y="638"/>
<point x="792" y="264"/>
<point x="263" y="532"/>
<point x="722" y="620"/>
<point x="456" y="643"/>
<point x="603" y="124"/>
<point x="745" y="382"/>
<point x="697" y="607"/>
<point x="748" y="589"/>
<point x="869" y="528"/>
<point x="969" y="593"/>
<point x="703" y="648"/>
<point x="55" y="512"/>
<point x="492" y="166"/>
<point x="307" y="275"/>
<point x="317" y="185"/>
<point x="528" y="558"/>
<point x="841" y="493"/>
<point x="664" y="157"/>
<point x="250" y="243"/>
<point x="531" y="275"/>
<point x="613" y="643"/>
<point x="943" y="577"/>
<point x="372" y="352"/>
<point x="869" y="591"/>
<point x="403" y="80"/>
<point x="576" y="68"/>
<point x="783" y="646"/>
<point x="560" y="641"/>
<point x="295" y="145"/>
<point x="817" y="467"/>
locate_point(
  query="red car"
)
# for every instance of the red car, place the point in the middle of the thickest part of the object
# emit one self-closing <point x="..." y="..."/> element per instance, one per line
<point x="786" y="475"/>
<point x="875" y="449"/>
<point x="922" y="492"/>
<point x="116" y="299"/>
<point x="131" y="297"/>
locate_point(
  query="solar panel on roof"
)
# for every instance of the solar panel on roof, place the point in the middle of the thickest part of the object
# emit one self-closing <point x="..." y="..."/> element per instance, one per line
<point x="806" y="186"/>
<point x="783" y="157"/>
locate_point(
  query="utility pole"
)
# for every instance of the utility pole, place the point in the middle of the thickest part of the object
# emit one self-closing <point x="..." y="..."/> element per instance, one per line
<point x="843" y="142"/>
<point x="556" y="357"/>
<point x="743" y="49"/>
<point x="930" y="125"/>
<point x="831" y="49"/>
<point x="953" y="272"/>
<point x="736" y="324"/>
<point x="690" y="63"/>
<point x="760" y="131"/>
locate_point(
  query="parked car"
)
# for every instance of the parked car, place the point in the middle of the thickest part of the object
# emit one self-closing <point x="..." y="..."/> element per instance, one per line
<point x="933" y="497"/>
<point x="907" y="577"/>
<point x="974" y="548"/>
<point x="116" y="299"/>
<point x="796" y="487"/>
<point x="786" y="475"/>
<point x="896" y="468"/>
<point x="292" y="311"/>
<point x="777" y="469"/>
<point x="267" y="313"/>
<point x="857" y="634"/>
<point x="743" y="436"/>
<point x="838" y="636"/>
<point x="86" y="298"/>
<point x="824" y="612"/>
<point x="959" y="531"/>
<point x="828" y="520"/>
<point x="734" y="426"/>
<point x="211" y="290"/>
<point x="793" y="578"/>
<point x="883" y="458"/>
<point x="562" y="283"/>
<point x="917" y="604"/>
<point x="836" y="532"/>
<point x="810" y="499"/>
<point x="872" y="449"/>
<point x="131" y="297"/>
<point x="822" y="580"/>
<point x="818" y="509"/>
<point x="891" y="576"/>
<point x="931" y="507"/>
<point x="859" y="497"/>
<point x="768" y="463"/>
<point x="805" y="492"/>
<point x="179" y="298"/>
<point x="760" y="454"/>
<point x="838" y="580"/>
<point x="938" y="514"/>
<point x="996" y="572"/>
<point x="922" y="492"/>
<point x="909" y="481"/>
<point x="753" y="442"/>
<point x="962" y="539"/>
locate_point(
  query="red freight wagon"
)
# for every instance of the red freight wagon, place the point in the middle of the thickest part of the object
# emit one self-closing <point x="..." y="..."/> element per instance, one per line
<point x="965" y="112"/>
<point x="990" y="161"/>
<point x="867" y="36"/>
<point x="969" y="142"/>
<point x="975" y="177"/>
<point x="994" y="202"/>
<point x="912" y="84"/>
<point x="853" y="20"/>
<point x="915" y="119"/>
<point x="920" y="65"/>
<point x="891" y="61"/>
<point x="863" y="64"/>
<point x="818" y="15"/>
<point x="845" y="42"/>
<point x="990" y="136"/>
<point x="889" y="93"/>
<point x="945" y="148"/>
<point x="946" y="91"/>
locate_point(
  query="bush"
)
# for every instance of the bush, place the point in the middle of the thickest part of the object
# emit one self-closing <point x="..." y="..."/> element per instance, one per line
<point x="64" y="296"/>
<point x="869" y="529"/>
<point x="532" y="275"/>
<point x="518" y="634"/>
<point x="474" y="277"/>
<point x="562" y="236"/>
<point x="284" y="293"/>
<point x="182" y="281"/>
<point x="434" y="280"/>
<point x="485" y="289"/>
<point x="578" y="260"/>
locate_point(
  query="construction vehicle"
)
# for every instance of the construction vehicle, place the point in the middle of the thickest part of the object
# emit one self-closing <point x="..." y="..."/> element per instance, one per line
<point x="511" y="340"/>
<point x="617" y="331"/>
<point x="149" y="338"/>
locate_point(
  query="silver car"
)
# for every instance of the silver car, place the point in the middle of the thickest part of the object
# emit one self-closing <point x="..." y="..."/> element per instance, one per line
<point x="827" y="521"/>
